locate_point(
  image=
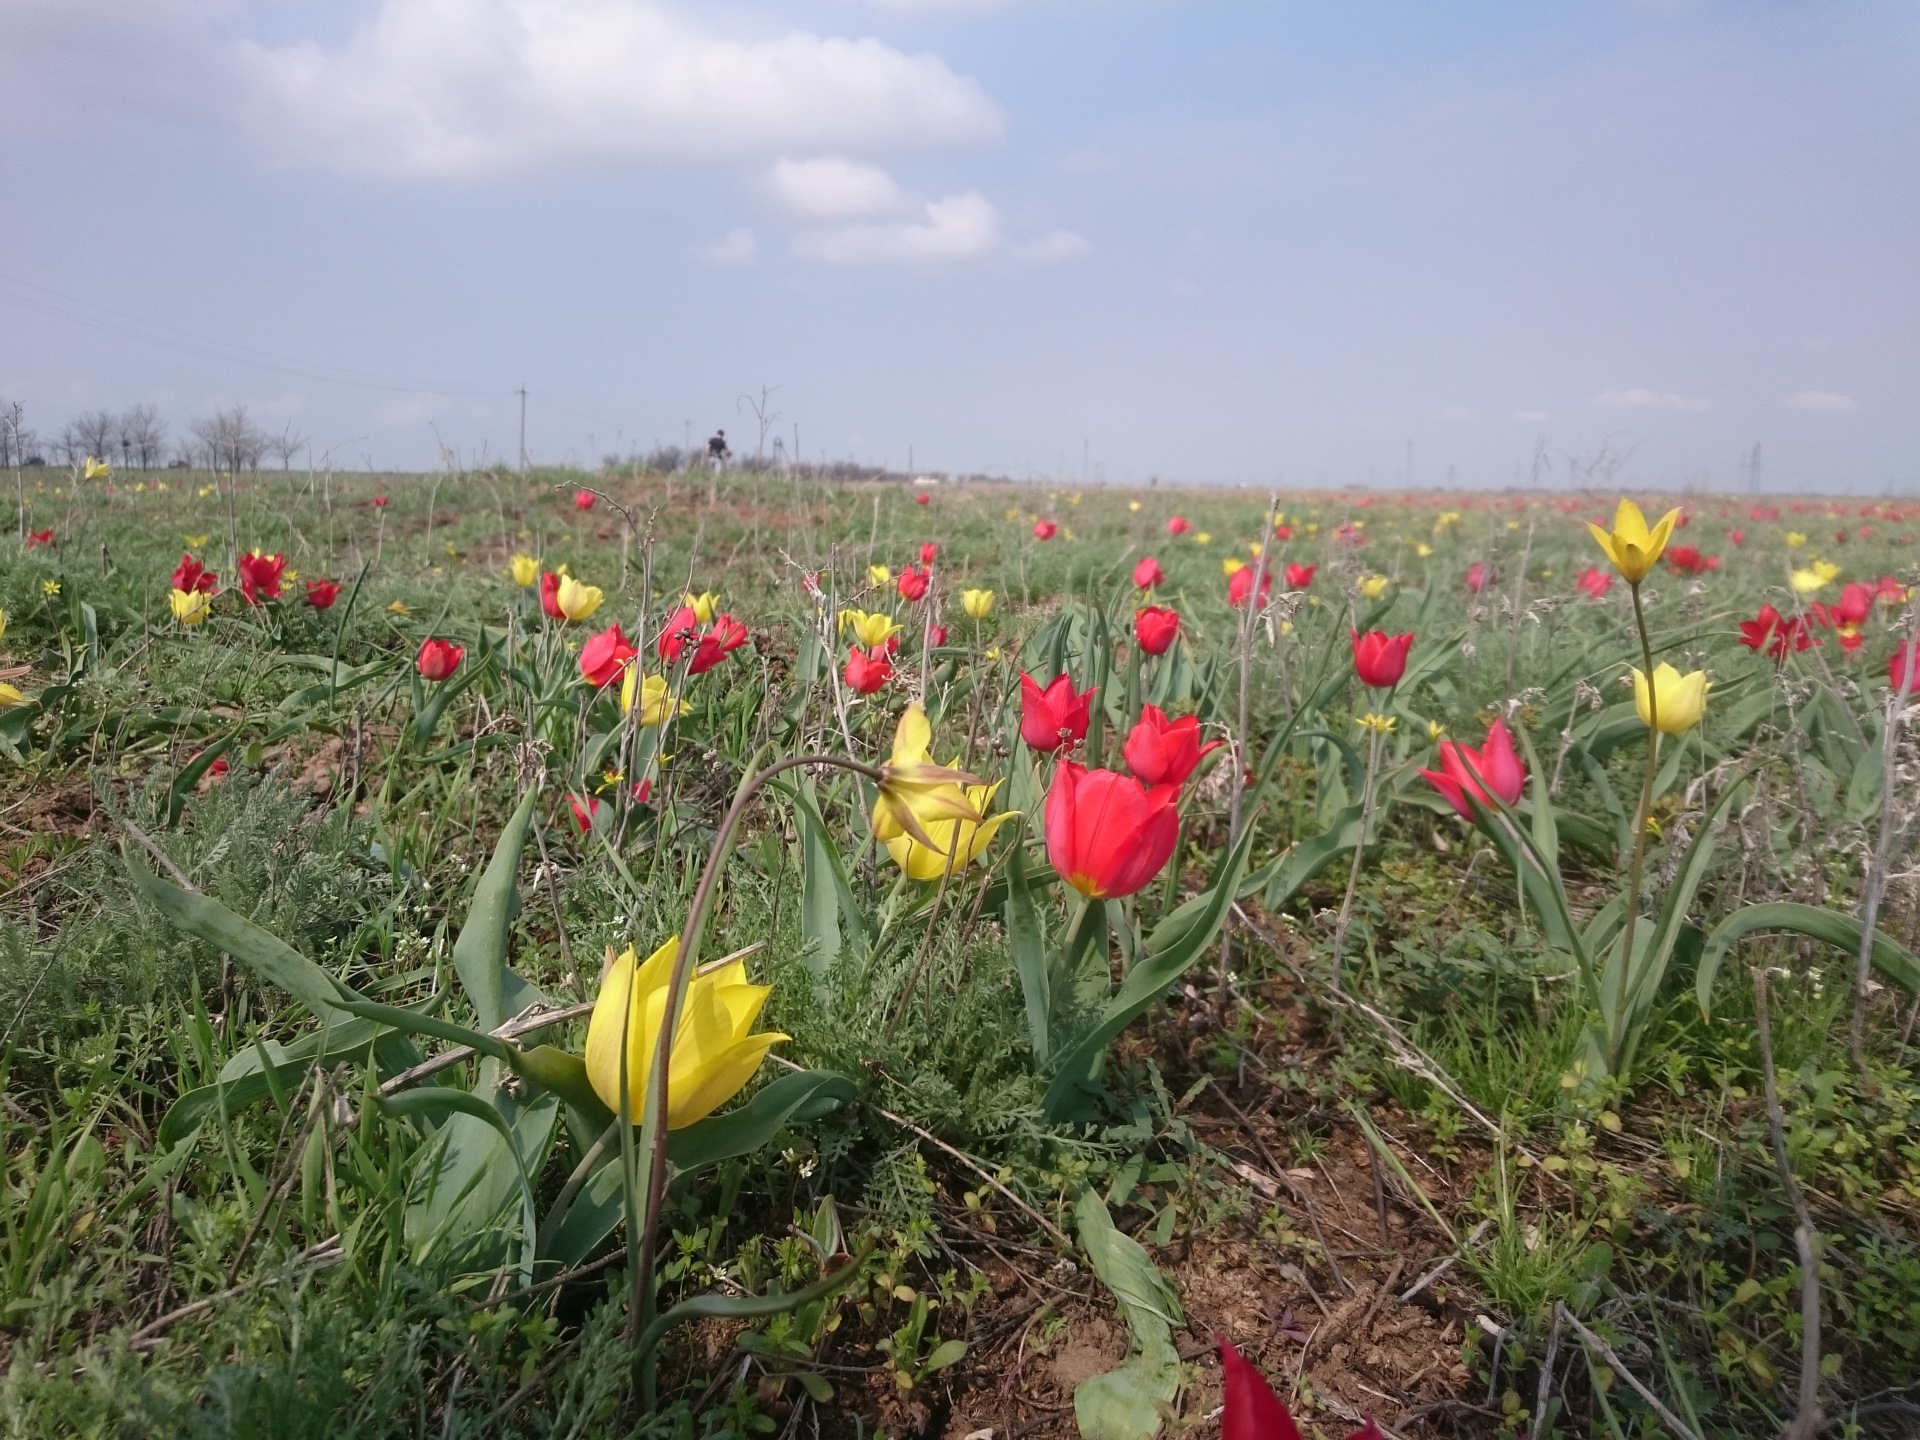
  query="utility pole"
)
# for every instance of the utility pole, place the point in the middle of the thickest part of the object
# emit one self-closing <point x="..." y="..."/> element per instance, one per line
<point x="523" y="429"/>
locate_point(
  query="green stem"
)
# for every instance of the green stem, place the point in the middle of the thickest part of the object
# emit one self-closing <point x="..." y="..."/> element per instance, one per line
<point x="1616" y="1031"/>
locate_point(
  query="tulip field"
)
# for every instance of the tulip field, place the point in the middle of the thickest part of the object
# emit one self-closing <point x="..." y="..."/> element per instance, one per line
<point x="739" y="955"/>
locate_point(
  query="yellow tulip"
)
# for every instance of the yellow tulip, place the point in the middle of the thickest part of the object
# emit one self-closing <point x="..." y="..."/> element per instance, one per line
<point x="1795" y="539"/>
<point x="715" y="1051"/>
<point x="657" y="706"/>
<point x="190" y="607"/>
<point x="703" y="605"/>
<point x="977" y="603"/>
<point x="525" y="569"/>
<point x="879" y="575"/>
<point x="196" y="542"/>
<point x="915" y="792"/>
<point x="869" y="630"/>
<point x="3" y="624"/>
<point x="1203" y="538"/>
<point x="1422" y="549"/>
<point x="1134" y="506"/>
<point x="1631" y="546"/>
<point x="9" y="695"/>
<point x="577" y="601"/>
<point x="1807" y="581"/>
<point x="1232" y="566"/>
<point x="95" y="469"/>
<point x="1680" y="699"/>
<point x="399" y="607"/>
<point x="1374" y="586"/>
<point x="965" y="840"/>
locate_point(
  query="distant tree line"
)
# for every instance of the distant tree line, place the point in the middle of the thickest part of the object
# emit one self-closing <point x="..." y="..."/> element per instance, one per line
<point x="137" y="439"/>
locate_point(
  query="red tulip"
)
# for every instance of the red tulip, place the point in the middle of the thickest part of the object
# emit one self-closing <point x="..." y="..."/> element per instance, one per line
<point x="1045" y="529"/>
<point x="1856" y="603"/>
<point x="1380" y="659"/>
<point x="1178" y="525"/>
<point x="1903" y="656"/>
<point x="218" y="769"/>
<point x="1776" y="634"/>
<point x="1889" y="591"/>
<point x="1107" y="834"/>
<point x="1147" y="574"/>
<point x="1737" y="536"/>
<point x="190" y="575"/>
<point x="937" y="636"/>
<point x="1466" y="772"/>
<point x="1240" y="585"/>
<point x="583" y="499"/>
<point x="726" y="636"/>
<point x="586" y="810"/>
<point x="1299" y="576"/>
<point x="1053" y="718"/>
<point x="1594" y="582"/>
<point x="867" y="672"/>
<point x="1156" y="628"/>
<point x="923" y="498"/>
<point x="912" y="583"/>
<point x="438" y="658"/>
<point x="681" y="630"/>
<point x="1764" y="512"/>
<point x="643" y="792"/>
<point x="38" y="538"/>
<point x="1160" y="751"/>
<point x="604" y="658"/>
<point x="1254" y="1412"/>
<point x="1283" y="532"/>
<point x="260" y="577"/>
<point x="322" y="593"/>
<point x="379" y="502"/>
<point x="927" y="552"/>
<point x="1687" y="560"/>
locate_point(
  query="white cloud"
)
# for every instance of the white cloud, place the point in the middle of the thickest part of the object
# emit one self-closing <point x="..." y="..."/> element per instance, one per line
<point x="735" y="248"/>
<point x="960" y="227"/>
<point x="469" y="89"/>
<point x="1641" y="399"/>
<point x="1822" y="400"/>
<point x="1530" y="417"/>
<point x="1051" y="248"/>
<point x="831" y="188"/>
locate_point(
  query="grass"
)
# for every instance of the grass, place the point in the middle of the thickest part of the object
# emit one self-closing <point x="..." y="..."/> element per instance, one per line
<point x="260" y="1276"/>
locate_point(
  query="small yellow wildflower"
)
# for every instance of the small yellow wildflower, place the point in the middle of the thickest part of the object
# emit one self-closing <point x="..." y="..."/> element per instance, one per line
<point x="1378" y="723"/>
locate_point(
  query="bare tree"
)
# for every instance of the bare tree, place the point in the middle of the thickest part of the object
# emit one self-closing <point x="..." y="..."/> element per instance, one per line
<point x="96" y="433"/>
<point x="143" y="437"/>
<point x="17" y="442"/>
<point x="230" y="441"/>
<point x="287" y="444"/>
<point x="766" y="415"/>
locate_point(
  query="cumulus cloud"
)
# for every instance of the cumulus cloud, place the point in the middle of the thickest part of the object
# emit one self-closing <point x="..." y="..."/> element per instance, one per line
<point x="1822" y="400"/>
<point x="470" y="89"/>
<point x="1051" y="248"/>
<point x="1641" y="399"/>
<point x="735" y="248"/>
<point x="960" y="227"/>
<point x="832" y="188"/>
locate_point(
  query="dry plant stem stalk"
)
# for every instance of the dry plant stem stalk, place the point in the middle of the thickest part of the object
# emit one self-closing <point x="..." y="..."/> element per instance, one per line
<point x="1806" y="1423"/>
<point x="655" y="1125"/>
<point x="1616" y="1032"/>
<point x="1882" y="841"/>
<point x="1248" y="617"/>
<point x="1359" y="853"/>
<point x="1675" y="1425"/>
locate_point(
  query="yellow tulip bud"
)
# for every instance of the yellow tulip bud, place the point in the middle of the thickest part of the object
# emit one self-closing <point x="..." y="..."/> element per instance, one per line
<point x="869" y="629"/>
<point x="1631" y="546"/>
<point x="1374" y="586"/>
<point x="577" y="601"/>
<point x="915" y="792"/>
<point x="657" y="705"/>
<point x="977" y="603"/>
<point x="526" y="571"/>
<point x="879" y="575"/>
<point x="1678" y="701"/>
<point x="715" y="1051"/>
<point x="10" y="695"/>
<point x="190" y="607"/>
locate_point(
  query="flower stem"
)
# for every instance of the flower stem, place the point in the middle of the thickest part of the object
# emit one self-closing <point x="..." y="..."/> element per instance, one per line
<point x="654" y="1126"/>
<point x="1616" y="1032"/>
<point x="1359" y="852"/>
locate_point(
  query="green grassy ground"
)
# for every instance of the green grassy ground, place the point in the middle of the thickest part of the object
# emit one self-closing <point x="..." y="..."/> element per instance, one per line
<point x="1294" y="1149"/>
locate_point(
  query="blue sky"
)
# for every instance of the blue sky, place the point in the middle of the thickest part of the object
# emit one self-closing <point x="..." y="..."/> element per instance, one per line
<point x="1223" y="243"/>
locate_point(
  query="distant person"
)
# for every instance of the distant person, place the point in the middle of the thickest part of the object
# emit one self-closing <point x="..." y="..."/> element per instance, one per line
<point x="717" y="451"/>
